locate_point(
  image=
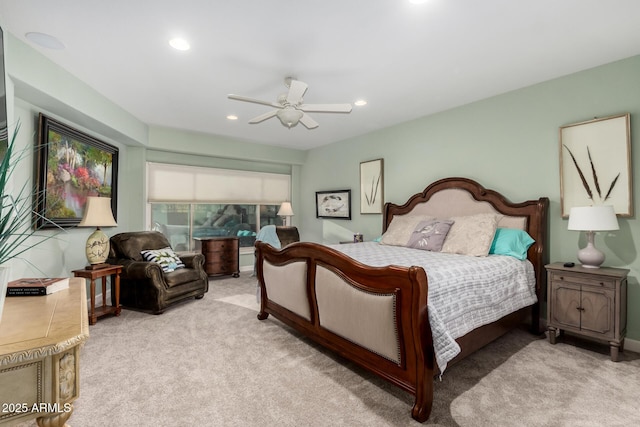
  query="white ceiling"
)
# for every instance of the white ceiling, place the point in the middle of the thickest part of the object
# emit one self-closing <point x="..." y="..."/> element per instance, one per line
<point x="406" y="60"/>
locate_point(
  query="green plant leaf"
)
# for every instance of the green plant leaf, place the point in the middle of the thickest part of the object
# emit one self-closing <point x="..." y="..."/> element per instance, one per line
<point x="18" y="233"/>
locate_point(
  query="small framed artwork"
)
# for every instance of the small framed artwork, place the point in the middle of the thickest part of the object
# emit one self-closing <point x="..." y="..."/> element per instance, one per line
<point x="595" y="164"/>
<point x="333" y="204"/>
<point x="71" y="166"/>
<point x="371" y="186"/>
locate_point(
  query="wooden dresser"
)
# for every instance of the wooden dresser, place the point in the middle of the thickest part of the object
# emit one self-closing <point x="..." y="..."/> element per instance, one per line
<point x="40" y="341"/>
<point x="221" y="255"/>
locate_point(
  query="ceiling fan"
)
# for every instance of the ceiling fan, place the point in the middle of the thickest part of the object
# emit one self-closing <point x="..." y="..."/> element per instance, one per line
<point x="289" y="107"/>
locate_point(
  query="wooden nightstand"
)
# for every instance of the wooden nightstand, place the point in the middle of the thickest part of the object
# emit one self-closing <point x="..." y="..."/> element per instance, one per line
<point x="591" y="302"/>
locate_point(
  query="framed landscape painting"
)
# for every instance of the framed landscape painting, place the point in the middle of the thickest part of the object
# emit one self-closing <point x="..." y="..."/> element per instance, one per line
<point x="71" y="166"/>
<point x="333" y="204"/>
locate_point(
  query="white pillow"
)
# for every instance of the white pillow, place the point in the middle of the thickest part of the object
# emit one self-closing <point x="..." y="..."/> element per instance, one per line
<point x="400" y="229"/>
<point x="471" y="235"/>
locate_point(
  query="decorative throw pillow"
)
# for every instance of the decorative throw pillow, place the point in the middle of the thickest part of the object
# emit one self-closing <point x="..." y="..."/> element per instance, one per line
<point x="471" y="235"/>
<point x="167" y="259"/>
<point x="430" y="235"/>
<point x="512" y="242"/>
<point x="400" y="229"/>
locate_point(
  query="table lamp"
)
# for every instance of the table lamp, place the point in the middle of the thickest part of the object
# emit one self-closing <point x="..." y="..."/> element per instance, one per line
<point x="592" y="219"/>
<point x="97" y="213"/>
<point x="286" y="212"/>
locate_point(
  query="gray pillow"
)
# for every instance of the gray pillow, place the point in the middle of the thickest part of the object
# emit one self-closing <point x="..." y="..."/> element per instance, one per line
<point x="430" y="235"/>
<point x="400" y="229"/>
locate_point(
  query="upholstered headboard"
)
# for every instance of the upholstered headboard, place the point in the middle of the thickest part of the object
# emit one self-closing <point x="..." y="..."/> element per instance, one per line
<point x="462" y="196"/>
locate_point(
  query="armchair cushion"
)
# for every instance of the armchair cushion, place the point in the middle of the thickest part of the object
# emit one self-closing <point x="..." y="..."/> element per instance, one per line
<point x="181" y="276"/>
<point x="167" y="259"/>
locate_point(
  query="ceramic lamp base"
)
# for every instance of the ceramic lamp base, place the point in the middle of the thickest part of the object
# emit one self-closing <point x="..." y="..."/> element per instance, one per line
<point x="97" y="248"/>
<point x="590" y="256"/>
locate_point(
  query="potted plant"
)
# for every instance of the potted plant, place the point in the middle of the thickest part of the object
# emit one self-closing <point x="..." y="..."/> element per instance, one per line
<point x="18" y="232"/>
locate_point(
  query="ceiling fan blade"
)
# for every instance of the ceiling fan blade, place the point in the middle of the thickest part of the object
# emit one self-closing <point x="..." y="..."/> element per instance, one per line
<point x="308" y="122"/>
<point x="326" y="108"/>
<point x="296" y="92"/>
<point x="263" y="117"/>
<point x="255" y="101"/>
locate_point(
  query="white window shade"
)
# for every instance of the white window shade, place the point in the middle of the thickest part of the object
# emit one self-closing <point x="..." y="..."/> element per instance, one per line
<point x="177" y="183"/>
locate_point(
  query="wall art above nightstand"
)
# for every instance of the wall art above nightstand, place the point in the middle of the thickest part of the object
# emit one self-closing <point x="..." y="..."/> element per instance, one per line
<point x="595" y="164"/>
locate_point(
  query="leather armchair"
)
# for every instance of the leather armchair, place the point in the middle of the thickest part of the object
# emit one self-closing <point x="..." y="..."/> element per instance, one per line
<point x="143" y="285"/>
<point x="287" y="234"/>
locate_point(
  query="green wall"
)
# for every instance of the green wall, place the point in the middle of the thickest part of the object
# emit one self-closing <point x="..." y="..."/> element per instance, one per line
<point x="509" y="143"/>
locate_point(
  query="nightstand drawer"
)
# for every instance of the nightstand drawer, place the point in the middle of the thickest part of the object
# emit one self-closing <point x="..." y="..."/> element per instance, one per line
<point x="579" y="279"/>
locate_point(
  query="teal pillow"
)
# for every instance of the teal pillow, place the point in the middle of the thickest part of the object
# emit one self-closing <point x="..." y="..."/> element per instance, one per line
<point x="512" y="242"/>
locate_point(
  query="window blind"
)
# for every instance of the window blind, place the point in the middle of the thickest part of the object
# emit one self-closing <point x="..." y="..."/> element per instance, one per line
<point x="179" y="183"/>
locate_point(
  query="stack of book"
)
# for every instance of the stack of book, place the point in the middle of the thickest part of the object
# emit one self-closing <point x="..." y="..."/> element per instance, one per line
<point x="36" y="286"/>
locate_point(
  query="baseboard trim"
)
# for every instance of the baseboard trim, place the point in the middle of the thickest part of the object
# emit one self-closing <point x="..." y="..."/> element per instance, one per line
<point x="632" y="345"/>
<point x="99" y="298"/>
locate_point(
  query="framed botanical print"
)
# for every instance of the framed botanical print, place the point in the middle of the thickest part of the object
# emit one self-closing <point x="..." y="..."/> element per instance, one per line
<point x="371" y="186"/>
<point x="595" y="164"/>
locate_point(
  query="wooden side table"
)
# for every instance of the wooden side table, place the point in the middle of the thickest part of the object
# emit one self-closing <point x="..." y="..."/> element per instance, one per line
<point x="110" y="270"/>
<point x="591" y="302"/>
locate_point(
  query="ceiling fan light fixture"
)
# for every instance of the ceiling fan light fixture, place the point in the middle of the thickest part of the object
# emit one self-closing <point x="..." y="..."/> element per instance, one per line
<point x="179" y="44"/>
<point x="289" y="116"/>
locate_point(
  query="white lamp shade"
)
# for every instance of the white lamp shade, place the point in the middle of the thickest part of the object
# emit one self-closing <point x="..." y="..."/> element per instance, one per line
<point x="593" y="218"/>
<point x="97" y="213"/>
<point x="285" y="209"/>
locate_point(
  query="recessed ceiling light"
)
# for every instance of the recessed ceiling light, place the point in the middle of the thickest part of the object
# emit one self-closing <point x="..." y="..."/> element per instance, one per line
<point x="232" y="117"/>
<point x="360" y="102"/>
<point x="179" y="44"/>
<point x="45" y="40"/>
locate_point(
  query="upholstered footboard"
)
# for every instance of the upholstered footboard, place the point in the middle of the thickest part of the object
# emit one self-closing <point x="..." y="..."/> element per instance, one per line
<point x="375" y="317"/>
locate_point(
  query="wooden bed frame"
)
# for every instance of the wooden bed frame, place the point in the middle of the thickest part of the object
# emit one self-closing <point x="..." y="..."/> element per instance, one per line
<point x="289" y="293"/>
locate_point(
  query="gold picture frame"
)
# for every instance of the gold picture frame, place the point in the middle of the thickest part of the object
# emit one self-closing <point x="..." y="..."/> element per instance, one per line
<point x="595" y="164"/>
<point x="372" y="186"/>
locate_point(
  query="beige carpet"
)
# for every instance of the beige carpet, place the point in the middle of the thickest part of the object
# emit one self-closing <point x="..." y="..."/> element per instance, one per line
<point x="210" y="362"/>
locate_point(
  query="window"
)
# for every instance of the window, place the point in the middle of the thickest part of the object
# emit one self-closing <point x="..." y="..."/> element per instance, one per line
<point x="187" y="202"/>
<point x="183" y="223"/>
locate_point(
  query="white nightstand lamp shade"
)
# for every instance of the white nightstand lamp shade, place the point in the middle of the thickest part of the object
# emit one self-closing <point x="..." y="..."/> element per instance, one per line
<point x="97" y="213"/>
<point x="286" y="212"/>
<point x="592" y="219"/>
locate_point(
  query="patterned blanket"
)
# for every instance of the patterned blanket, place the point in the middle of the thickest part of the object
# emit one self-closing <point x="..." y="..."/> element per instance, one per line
<point x="464" y="292"/>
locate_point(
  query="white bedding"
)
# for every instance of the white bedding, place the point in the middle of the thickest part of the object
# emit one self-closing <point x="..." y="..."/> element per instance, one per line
<point x="465" y="292"/>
